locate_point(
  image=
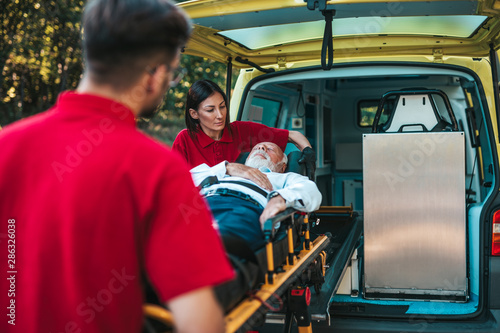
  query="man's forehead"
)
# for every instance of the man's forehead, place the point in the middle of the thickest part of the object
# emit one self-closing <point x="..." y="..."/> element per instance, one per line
<point x="266" y="144"/>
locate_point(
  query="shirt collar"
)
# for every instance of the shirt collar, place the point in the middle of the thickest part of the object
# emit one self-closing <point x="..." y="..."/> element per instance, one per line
<point x="205" y="140"/>
<point x="264" y="169"/>
<point x="75" y="102"/>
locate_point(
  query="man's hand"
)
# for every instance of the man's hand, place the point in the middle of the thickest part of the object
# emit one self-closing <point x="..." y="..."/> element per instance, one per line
<point x="273" y="207"/>
<point x="253" y="174"/>
<point x="197" y="311"/>
<point x="309" y="159"/>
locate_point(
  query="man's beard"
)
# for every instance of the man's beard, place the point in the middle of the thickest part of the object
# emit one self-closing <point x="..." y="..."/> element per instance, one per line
<point x="149" y="112"/>
<point x="255" y="161"/>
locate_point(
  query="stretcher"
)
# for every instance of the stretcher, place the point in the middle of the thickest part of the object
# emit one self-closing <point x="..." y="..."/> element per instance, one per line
<point x="276" y="279"/>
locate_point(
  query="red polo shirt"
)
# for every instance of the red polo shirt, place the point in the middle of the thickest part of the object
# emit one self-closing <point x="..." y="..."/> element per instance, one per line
<point x="245" y="135"/>
<point x="91" y="204"/>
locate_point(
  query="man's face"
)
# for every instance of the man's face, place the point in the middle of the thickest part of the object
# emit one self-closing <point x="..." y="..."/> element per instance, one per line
<point x="162" y="80"/>
<point x="266" y="154"/>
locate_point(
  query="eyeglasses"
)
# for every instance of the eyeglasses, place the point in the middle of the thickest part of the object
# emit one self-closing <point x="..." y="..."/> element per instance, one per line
<point x="177" y="76"/>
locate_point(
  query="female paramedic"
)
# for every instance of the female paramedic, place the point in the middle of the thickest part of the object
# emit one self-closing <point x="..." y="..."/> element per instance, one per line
<point x="210" y="138"/>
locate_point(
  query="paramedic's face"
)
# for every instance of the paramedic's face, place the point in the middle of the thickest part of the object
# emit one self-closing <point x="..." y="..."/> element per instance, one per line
<point x="265" y="154"/>
<point x="212" y="115"/>
<point x="161" y="80"/>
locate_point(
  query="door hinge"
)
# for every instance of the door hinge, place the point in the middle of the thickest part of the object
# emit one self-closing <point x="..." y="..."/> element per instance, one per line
<point x="438" y="55"/>
<point x="281" y="62"/>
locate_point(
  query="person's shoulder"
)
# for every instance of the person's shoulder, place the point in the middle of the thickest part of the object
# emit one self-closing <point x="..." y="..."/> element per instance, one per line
<point x="26" y="125"/>
<point x="182" y="140"/>
<point x="182" y="136"/>
<point x="145" y="143"/>
<point x="183" y="133"/>
<point x="239" y="126"/>
<point x="153" y="149"/>
<point x="241" y="123"/>
<point x="158" y="157"/>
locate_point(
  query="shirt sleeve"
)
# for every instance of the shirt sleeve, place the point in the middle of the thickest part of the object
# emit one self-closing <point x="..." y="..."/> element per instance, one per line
<point x="256" y="133"/>
<point x="299" y="192"/>
<point x="202" y="171"/>
<point x="183" y="250"/>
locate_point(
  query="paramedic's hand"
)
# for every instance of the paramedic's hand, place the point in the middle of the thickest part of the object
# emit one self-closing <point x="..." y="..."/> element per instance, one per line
<point x="253" y="174"/>
<point x="197" y="311"/>
<point x="273" y="207"/>
<point x="309" y="159"/>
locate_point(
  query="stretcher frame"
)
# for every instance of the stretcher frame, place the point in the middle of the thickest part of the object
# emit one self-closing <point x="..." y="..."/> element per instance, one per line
<point x="251" y="310"/>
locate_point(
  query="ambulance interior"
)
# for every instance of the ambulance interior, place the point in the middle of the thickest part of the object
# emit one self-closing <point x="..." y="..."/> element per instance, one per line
<point x="418" y="191"/>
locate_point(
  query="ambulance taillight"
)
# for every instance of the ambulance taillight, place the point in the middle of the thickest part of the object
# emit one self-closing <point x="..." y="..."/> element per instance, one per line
<point x="495" y="238"/>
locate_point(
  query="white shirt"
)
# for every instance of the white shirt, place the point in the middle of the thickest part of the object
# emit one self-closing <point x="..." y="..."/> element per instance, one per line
<point x="298" y="191"/>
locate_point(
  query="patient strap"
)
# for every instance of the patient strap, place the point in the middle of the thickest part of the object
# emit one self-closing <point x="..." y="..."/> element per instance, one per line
<point x="211" y="180"/>
<point x="232" y="193"/>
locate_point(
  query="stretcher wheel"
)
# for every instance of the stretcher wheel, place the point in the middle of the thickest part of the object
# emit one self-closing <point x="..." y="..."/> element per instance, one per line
<point x="317" y="278"/>
<point x="317" y="288"/>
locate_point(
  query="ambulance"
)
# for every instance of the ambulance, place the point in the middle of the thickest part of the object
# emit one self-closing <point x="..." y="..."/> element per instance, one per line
<point x="400" y="102"/>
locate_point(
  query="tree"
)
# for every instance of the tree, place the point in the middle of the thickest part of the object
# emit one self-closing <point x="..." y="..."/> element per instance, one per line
<point x="40" y="56"/>
<point x="170" y="119"/>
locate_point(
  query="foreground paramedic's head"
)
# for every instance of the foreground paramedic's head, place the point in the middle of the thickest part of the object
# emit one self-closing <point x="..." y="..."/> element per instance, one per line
<point x="133" y="47"/>
<point x="267" y="154"/>
<point x="206" y="109"/>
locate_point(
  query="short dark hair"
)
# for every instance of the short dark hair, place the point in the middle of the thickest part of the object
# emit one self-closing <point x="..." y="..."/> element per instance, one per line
<point x="120" y="37"/>
<point x="200" y="91"/>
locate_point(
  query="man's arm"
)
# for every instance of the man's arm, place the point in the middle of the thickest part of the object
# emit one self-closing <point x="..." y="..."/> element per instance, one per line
<point x="253" y="174"/>
<point x="202" y="171"/>
<point x="294" y="191"/>
<point x="298" y="191"/>
<point x="197" y="311"/>
<point x="273" y="207"/>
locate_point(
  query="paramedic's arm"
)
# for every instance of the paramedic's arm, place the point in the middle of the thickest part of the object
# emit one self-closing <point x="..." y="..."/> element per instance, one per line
<point x="308" y="154"/>
<point x="298" y="139"/>
<point x="197" y="311"/>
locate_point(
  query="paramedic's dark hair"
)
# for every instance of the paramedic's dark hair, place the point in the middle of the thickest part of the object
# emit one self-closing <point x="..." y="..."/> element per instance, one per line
<point x="122" y="37"/>
<point x="199" y="91"/>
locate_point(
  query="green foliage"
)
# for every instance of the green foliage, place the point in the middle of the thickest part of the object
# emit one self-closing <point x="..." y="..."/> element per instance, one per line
<point x="40" y="56"/>
<point x="170" y="118"/>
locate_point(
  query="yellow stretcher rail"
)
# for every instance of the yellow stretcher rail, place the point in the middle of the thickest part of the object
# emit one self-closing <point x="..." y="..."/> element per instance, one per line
<point x="242" y="313"/>
<point x="159" y="313"/>
<point x="336" y="210"/>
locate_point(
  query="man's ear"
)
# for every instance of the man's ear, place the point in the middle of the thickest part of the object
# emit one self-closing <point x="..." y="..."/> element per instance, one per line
<point x="157" y="79"/>
<point x="193" y="113"/>
<point x="283" y="167"/>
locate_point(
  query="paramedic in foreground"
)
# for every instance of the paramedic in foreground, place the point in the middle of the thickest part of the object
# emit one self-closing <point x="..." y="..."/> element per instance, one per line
<point x="241" y="207"/>
<point x="93" y="204"/>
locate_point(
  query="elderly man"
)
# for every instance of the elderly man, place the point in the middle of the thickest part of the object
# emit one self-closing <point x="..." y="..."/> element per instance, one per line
<point x="240" y="206"/>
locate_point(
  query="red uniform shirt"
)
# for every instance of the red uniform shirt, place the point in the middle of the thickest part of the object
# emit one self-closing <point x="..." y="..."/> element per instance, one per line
<point x="245" y="135"/>
<point x="94" y="203"/>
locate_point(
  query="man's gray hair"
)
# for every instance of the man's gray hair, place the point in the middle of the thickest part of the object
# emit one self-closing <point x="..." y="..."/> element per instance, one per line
<point x="284" y="159"/>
